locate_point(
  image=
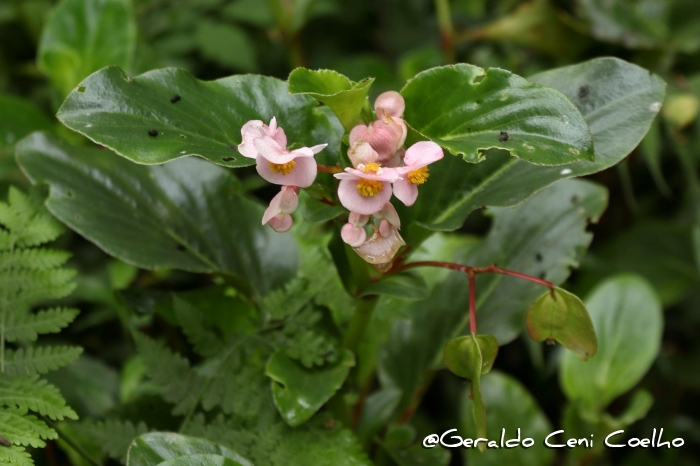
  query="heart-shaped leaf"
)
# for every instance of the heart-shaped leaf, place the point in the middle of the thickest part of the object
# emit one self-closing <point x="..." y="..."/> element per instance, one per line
<point x="167" y="114"/>
<point x="561" y="316"/>
<point x="618" y="100"/>
<point x="458" y="354"/>
<point x="299" y="391"/>
<point x="156" y="447"/>
<point x="83" y="36"/>
<point x="468" y="110"/>
<point x="188" y="214"/>
<point x="344" y="97"/>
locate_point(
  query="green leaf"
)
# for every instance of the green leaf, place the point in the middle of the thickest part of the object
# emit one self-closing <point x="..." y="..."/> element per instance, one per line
<point x="618" y="100"/>
<point x="637" y="408"/>
<point x="561" y="316"/>
<point x="627" y="316"/>
<point x="298" y="391"/>
<point x="83" y="36"/>
<point x="377" y="410"/>
<point x="32" y="393"/>
<point x="112" y="436"/>
<point x="407" y="285"/>
<point x="18" y="118"/>
<point x="28" y="327"/>
<point x="467" y="110"/>
<point x="204" y="341"/>
<point x="200" y="460"/>
<point x="225" y="44"/>
<point x="39" y="359"/>
<point x="344" y="97"/>
<point x="187" y="214"/>
<point x="157" y="447"/>
<point x="459" y="354"/>
<point x="315" y="211"/>
<point x="120" y="112"/>
<point x="16" y="456"/>
<point x="416" y="455"/>
<point x="513" y="408"/>
<point x="24" y="429"/>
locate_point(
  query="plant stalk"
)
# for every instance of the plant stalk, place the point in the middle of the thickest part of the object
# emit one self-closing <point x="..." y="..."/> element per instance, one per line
<point x="444" y="17"/>
<point x="358" y="323"/>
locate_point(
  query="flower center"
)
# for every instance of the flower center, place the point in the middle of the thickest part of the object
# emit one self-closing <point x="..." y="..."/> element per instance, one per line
<point x="283" y="168"/>
<point x="369" y="188"/>
<point x="419" y="176"/>
<point x="371" y="167"/>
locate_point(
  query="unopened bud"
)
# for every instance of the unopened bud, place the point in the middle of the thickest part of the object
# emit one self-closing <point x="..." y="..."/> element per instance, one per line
<point x="354" y="236"/>
<point x="281" y="223"/>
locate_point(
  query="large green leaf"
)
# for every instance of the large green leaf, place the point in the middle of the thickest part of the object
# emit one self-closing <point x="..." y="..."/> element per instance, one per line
<point x="626" y="314"/>
<point x="83" y="36"/>
<point x="343" y="96"/>
<point x="299" y="391"/>
<point x="154" y="448"/>
<point x="468" y="110"/>
<point x="200" y="459"/>
<point x="618" y="100"/>
<point x="544" y="236"/>
<point x="141" y="119"/>
<point x="511" y="407"/>
<point x="187" y="214"/>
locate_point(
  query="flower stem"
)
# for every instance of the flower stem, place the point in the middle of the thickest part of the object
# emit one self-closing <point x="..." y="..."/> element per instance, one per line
<point x="358" y="323"/>
<point x="472" y="302"/>
<point x="332" y="169"/>
<point x="446" y="32"/>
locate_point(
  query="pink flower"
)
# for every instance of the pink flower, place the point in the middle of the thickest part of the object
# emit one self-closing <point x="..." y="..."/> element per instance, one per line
<point x="353" y="232"/>
<point x="361" y="153"/>
<point x="268" y="146"/>
<point x="387" y="134"/>
<point x="283" y="204"/>
<point x="367" y="188"/>
<point x="417" y="159"/>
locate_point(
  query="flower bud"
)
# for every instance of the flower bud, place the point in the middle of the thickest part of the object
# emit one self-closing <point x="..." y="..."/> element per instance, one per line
<point x="385" y="137"/>
<point x="281" y="223"/>
<point x="358" y="220"/>
<point x="389" y="103"/>
<point x="354" y="236"/>
<point x="361" y="153"/>
<point x="380" y="249"/>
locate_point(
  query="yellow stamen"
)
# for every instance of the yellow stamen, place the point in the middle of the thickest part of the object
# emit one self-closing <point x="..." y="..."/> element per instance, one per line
<point x="372" y="168"/>
<point x="419" y="176"/>
<point x="369" y="188"/>
<point x="283" y="168"/>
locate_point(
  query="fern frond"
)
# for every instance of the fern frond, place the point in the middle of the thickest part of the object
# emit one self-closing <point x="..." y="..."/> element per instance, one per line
<point x="112" y="436"/>
<point x="177" y="382"/>
<point x="26" y="326"/>
<point x="28" y="222"/>
<point x="39" y="359"/>
<point x="24" y="429"/>
<point x="33" y="259"/>
<point x="15" y="456"/>
<point x="204" y="341"/>
<point x="34" y="286"/>
<point x="35" y="394"/>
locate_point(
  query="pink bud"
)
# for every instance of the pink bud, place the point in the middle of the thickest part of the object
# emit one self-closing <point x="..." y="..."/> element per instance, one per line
<point x="384" y="228"/>
<point x="354" y="236"/>
<point x="285" y="202"/>
<point x="281" y="223"/>
<point x="361" y="153"/>
<point x="385" y="137"/>
<point x="389" y="103"/>
<point x="358" y="220"/>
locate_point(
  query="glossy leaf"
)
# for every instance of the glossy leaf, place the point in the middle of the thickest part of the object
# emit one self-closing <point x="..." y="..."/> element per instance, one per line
<point x="298" y="391"/>
<point x="561" y="316"/>
<point x="186" y="215"/>
<point x="511" y="407"/>
<point x="627" y="317"/>
<point x="618" y="100"/>
<point x="344" y="97"/>
<point x="200" y="460"/>
<point x="17" y="119"/>
<point x="140" y="118"/>
<point x="315" y="211"/>
<point x="407" y="285"/>
<point x="83" y="36"/>
<point x="467" y="110"/>
<point x="156" y="447"/>
<point x="458" y="354"/>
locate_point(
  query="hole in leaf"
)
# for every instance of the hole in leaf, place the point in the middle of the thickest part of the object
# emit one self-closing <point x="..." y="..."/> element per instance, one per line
<point x="174" y="99"/>
<point x="231" y="146"/>
<point x="478" y="79"/>
<point x="583" y="91"/>
<point x="228" y="159"/>
<point x="503" y="137"/>
<point x="180" y="248"/>
<point x="81" y="88"/>
<point x="153" y="132"/>
<point x="183" y="136"/>
<point x="538" y="257"/>
<point x="69" y="193"/>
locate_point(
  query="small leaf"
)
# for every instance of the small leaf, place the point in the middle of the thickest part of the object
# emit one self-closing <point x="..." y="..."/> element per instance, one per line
<point x="344" y="97"/>
<point x="157" y="447"/>
<point x="468" y="110"/>
<point x="561" y="316"/>
<point x="298" y="391"/>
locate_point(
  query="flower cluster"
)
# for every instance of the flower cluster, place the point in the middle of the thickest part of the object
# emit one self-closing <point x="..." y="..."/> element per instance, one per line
<point x="381" y="167"/>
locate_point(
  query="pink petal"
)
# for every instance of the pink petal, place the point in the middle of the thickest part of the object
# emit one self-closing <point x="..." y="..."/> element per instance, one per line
<point x="390" y="103"/>
<point x="385" y="228"/>
<point x="318" y="148"/>
<point x="406" y="192"/>
<point x="281" y="223"/>
<point x="389" y="213"/>
<point x="303" y="174"/>
<point x="272" y="151"/>
<point x="421" y="154"/>
<point x="279" y="137"/>
<point x="362" y="153"/>
<point x="357" y="133"/>
<point x="384" y="138"/>
<point x="250" y="132"/>
<point x="383" y="174"/>
<point x="354" y="202"/>
<point x="354" y="236"/>
<point x="358" y="220"/>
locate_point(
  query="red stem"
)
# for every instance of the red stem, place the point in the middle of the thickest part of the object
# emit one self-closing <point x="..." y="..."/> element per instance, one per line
<point x="332" y="169"/>
<point x="472" y="302"/>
